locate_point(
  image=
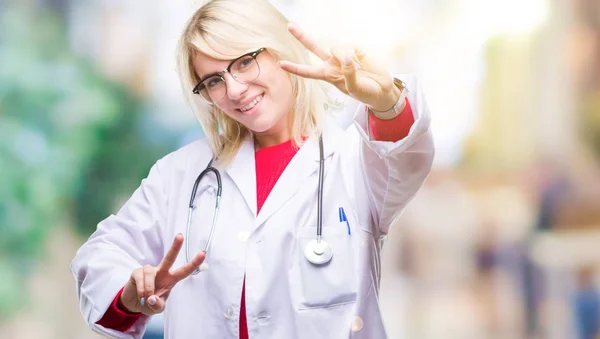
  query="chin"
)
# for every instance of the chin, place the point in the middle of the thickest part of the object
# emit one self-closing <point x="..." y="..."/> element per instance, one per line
<point x="260" y="128"/>
<point x="260" y="123"/>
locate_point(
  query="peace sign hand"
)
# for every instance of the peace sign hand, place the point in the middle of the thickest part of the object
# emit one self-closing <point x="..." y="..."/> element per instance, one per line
<point x="349" y="69"/>
<point x="149" y="286"/>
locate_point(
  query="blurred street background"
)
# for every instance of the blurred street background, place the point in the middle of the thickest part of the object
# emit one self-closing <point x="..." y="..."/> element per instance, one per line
<point x="503" y="241"/>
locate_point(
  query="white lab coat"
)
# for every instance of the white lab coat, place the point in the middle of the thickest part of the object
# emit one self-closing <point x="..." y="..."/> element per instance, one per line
<point x="286" y="296"/>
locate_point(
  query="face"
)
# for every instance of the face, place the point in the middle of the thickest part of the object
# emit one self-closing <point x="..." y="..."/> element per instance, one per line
<point x="262" y="105"/>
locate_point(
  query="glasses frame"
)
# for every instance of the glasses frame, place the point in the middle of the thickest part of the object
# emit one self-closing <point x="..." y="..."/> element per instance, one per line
<point x="199" y="86"/>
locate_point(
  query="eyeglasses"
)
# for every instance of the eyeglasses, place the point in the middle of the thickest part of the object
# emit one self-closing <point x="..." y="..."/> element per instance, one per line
<point x="244" y="69"/>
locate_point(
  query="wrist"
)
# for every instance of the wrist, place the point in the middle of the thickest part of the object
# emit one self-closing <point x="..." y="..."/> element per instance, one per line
<point x="394" y="105"/>
<point x="388" y="102"/>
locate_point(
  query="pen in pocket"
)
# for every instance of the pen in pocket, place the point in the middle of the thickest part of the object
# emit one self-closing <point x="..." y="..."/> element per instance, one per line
<point x="343" y="218"/>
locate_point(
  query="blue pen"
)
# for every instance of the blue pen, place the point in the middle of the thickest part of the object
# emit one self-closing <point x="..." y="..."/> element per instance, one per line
<point x="344" y="218"/>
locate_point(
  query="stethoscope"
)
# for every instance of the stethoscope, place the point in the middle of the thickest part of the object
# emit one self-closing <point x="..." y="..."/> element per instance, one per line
<point x="317" y="251"/>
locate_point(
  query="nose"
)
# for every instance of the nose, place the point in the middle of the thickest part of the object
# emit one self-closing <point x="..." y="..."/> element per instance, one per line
<point x="235" y="89"/>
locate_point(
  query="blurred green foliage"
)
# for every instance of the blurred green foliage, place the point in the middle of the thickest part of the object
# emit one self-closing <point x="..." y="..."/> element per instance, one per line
<point x="71" y="141"/>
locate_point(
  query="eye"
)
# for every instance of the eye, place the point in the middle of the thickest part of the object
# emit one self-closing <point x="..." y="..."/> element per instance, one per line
<point x="212" y="82"/>
<point x="245" y="62"/>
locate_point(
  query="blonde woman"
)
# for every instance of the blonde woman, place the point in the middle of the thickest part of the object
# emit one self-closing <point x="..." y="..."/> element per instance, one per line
<point x="305" y="203"/>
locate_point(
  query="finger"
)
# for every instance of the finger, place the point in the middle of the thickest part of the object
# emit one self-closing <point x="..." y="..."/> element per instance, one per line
<point x="340" y="54"/>
<point x="171" y="256"/>
<point x="305" y="71"/>
<point x="350" y="66"/>
<point x="137" y="277"/>
<point x="187" y="269"/>
<point x="155" y="304"/>
<point x="149" y="277"/>
<point x="349" y="69"/>
<point x="307" y="41"/>
<point x="359" y="52"/>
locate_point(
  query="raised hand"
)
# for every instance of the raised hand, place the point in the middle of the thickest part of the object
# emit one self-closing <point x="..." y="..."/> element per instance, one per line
<point x="149" y="286"/>
<point x="349" y="69"/>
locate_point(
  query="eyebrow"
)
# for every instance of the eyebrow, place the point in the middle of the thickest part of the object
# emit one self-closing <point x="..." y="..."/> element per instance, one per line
<point x="230" y="62"/>
<point x="208" y="76"/>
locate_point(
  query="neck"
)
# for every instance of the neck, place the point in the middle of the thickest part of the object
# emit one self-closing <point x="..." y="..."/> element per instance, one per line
<point x="264" y="140"/>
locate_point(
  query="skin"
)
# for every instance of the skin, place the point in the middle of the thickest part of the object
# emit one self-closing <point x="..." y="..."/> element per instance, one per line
<point x="149" y="286"/>
<point x="270" y="123"/>
<point x="349" y="69"/>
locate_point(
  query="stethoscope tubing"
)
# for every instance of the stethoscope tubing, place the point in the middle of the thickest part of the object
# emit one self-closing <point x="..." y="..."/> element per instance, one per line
<point x="210" y="168"/>
<point x="320" y="192"/>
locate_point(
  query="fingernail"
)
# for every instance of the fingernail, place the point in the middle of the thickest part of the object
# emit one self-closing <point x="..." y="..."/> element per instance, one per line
<point x="152" y="301"/>
<point x="142" y="301"/>
<point x="347" y="61"/>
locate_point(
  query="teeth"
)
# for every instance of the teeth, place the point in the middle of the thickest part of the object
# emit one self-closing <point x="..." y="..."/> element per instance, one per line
<point x="251" y="104"/>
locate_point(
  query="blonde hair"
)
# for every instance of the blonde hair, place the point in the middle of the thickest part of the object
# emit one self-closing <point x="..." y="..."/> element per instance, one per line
<point x="226" y="29"/>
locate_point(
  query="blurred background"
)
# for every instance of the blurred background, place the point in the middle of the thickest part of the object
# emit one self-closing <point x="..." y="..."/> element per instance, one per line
<point x="503" y="241"/>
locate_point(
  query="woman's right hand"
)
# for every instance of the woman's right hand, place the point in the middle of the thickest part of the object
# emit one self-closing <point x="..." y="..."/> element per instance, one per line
<point x="149" y="286"/>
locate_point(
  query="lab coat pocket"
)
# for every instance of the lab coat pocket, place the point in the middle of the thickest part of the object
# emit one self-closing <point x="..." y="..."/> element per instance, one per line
<point x="330" y="284"/>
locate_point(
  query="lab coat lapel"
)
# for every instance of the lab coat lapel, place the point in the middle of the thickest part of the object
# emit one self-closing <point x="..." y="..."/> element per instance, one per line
<point x="242" y="171"/>
<point x="302" y="165"/>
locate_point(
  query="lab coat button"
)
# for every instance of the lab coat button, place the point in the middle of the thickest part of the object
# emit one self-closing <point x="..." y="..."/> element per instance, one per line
<point x="357" y="324"/>
<point x="229" y="313"/>
<point x="243" y="236"/>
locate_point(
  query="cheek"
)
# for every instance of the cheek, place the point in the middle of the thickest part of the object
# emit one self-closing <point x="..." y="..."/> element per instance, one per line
<point x="230" y="112"/>
<point x="281" y="85"/>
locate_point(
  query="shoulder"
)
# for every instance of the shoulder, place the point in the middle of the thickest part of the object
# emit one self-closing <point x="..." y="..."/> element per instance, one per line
<point x="175" y="164"/>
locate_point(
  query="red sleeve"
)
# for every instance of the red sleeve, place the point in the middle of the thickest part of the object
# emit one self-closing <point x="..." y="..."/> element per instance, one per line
<point x="394" y="129"/>
<point x="117" y="318"/>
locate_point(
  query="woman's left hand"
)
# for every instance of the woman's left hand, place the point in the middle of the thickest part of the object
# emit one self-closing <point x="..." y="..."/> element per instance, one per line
<point x="349" y="69"/>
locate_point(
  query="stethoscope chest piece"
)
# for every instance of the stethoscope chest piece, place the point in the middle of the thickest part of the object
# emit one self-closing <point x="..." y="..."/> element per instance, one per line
<point x="318" y="252"/>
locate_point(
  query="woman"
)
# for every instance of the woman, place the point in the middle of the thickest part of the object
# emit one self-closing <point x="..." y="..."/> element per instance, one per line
<point x="268" y="120"/>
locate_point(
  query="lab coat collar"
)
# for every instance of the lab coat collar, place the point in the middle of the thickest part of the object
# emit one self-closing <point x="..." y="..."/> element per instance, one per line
<point x="302" y="165"/>
<point x="242" y="171"/>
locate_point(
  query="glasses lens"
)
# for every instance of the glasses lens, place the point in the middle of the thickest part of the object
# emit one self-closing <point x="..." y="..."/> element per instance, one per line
<point x="245" y="69"/>
<point x="213" y="89"/>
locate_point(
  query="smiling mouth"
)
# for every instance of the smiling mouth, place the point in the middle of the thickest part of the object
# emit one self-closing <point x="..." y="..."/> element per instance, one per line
<point x="252" y="104"/>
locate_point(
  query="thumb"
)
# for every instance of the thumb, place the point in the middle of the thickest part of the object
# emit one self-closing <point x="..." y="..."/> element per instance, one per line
<point x="155" y="304"/>
<point x="349" y="68"/>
